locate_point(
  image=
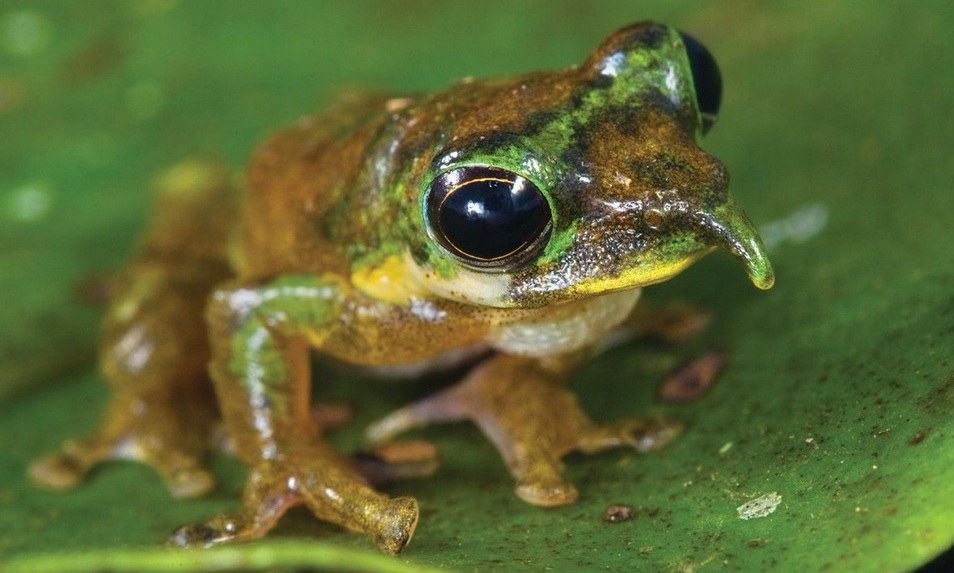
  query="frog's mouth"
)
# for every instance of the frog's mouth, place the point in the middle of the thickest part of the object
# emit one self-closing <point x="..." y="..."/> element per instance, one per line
<point x="728" y="227"/>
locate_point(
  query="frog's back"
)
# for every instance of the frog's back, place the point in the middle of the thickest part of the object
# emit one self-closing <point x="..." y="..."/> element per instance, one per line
<point x="295" y="182"/>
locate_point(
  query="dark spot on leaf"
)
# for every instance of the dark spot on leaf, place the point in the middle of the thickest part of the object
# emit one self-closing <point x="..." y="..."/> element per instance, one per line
<point x="692" y="381"/>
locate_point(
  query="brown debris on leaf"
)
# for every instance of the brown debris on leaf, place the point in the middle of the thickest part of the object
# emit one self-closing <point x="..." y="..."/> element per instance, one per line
<point x="618" y="513"/>
<point x="691" y="382"/>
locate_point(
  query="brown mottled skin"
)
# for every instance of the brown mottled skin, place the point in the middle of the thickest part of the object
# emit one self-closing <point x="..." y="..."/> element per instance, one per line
<point x="331" y="251"/>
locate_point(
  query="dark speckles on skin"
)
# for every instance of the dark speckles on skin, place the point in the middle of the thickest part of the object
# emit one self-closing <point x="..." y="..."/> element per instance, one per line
<point x="656" y="177"/>
<point x="652" y="36"/>
<point x="539" y="120"/>
<point x="577" y="150"/>
<point x="685" y="114"/>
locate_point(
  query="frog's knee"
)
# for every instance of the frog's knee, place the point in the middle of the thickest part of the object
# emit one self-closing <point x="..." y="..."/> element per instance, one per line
<point x="230" y="308"/>
<point x="292" y="304"/>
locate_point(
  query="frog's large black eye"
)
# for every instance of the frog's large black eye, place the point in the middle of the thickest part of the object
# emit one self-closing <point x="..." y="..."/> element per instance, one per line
<point x="489" y="218"/>
<point x="707" y="79"/>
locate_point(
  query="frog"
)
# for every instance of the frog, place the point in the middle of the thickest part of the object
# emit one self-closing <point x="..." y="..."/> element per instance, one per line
<point x="507" y="223"/>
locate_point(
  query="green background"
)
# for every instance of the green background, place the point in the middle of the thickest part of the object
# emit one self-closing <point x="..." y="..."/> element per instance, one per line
<point x="840" y="385"/>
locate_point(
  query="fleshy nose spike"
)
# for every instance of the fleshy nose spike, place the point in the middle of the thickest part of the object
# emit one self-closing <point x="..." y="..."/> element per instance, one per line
<point x="732" y="230"/>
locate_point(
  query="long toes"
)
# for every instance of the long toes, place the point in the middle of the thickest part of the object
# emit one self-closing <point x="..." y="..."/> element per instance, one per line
<point x="378" y="471"/>
<point x="208" y="533"/>
<point x="547" y="494"/>
<point x="652" y="434"/>
<point x="390" y="426"/>
<point x="397" y="461"/>
<point x="396" y="524"/>
<point x="183" y="473"/>
<point x="189" y="482"/>
<point x="57" y="471"/>
<point x="66" y="469"/>
<point x="684" y="324"/>
<point x="332" y="416"/>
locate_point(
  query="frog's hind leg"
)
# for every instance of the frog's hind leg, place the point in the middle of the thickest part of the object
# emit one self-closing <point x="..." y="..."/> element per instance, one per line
<point x="525" y="409"/>
<point x="154" y="349"/>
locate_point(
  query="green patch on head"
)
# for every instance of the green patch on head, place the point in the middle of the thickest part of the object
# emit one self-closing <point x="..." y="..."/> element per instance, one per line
<point x="559" y="243"/>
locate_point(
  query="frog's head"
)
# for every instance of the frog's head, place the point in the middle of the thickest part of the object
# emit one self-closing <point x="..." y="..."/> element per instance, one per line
<point x="590" y="180"/>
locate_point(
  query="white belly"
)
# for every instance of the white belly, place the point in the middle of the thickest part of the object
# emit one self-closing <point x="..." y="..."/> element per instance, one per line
<point x="582" y="323"/>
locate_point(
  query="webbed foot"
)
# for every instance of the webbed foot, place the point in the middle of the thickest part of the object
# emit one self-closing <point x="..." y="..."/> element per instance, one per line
<point x="171" y="441"/>
<point x="532" y="419"/>
<point x="322" y="481"/>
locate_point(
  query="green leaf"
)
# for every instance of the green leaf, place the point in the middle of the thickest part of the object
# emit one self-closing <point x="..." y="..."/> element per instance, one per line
<point x="838" y="393"/>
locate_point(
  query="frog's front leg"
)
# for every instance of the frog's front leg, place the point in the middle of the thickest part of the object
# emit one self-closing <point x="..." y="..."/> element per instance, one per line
<point x="260" y="341"/>
<point x="523" y="406"/>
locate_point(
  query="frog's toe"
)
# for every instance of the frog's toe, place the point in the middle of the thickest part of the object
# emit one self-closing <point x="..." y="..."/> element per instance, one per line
<point x="57" y="471"/>
<point x="66" y="469"/>
<point x="323" y="482"/>
<point x="396" y="524"/>
<point x="683" y="323"/>
<point x="397" y="461"/>
<point x="332" y="416"/>
<point x="546" y="493"/>
<point x="181" y="469"/>
<point x="186" y="478"/>
<point x="204" y="534"/>
<point x="643" y="435"/>
<point x="671" y="322"/>
<point x="263" y="505"/>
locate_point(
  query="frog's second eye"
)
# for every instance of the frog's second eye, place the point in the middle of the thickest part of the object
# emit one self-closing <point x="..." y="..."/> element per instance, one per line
<point x="707" y="79"/>
<point x="487" y="217"/>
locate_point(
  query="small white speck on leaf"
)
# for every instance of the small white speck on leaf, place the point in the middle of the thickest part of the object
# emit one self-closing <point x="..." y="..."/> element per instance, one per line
<point x="725" y="448"/>
<point x="760" y="506"/>
<point x="798" y="227"/>
<point x="29" y="202"/>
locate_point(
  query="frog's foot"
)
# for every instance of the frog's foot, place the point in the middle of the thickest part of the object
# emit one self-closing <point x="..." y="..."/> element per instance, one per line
<point x="673" y="321"/>
<point x="158" y="437"/>
<point x="323" y="482"/>
<point x="532" y="419"/>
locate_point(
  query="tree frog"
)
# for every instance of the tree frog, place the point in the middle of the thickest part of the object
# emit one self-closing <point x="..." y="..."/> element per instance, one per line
<point x="513" y="221"/>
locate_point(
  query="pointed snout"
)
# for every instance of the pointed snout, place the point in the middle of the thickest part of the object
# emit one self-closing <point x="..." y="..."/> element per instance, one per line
<point x="727" y="226"/>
